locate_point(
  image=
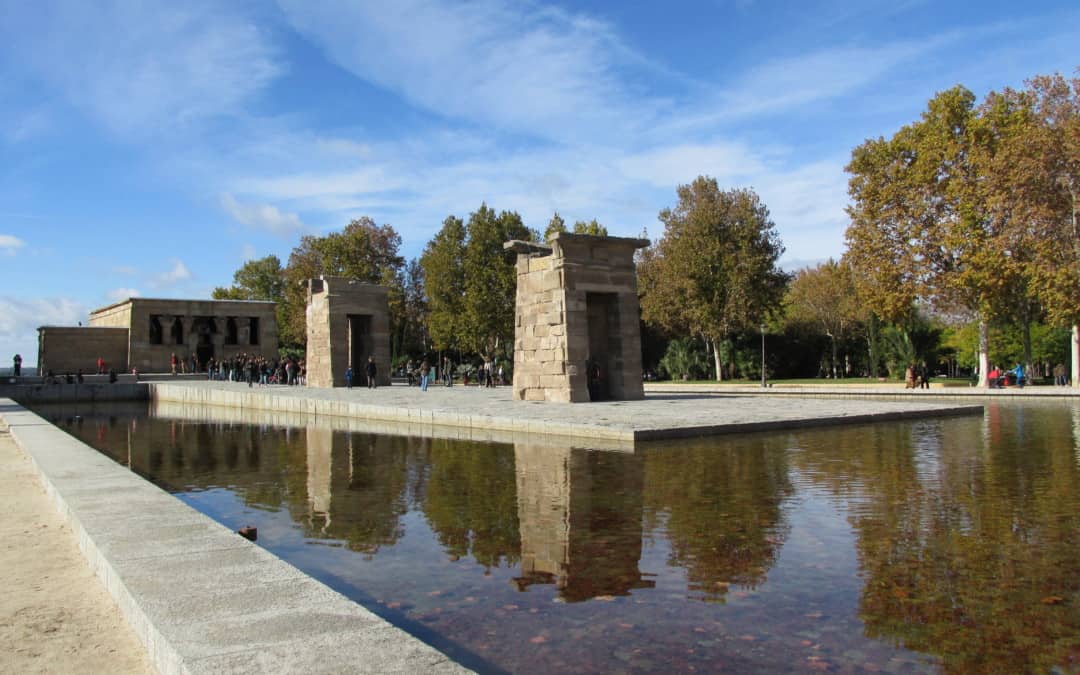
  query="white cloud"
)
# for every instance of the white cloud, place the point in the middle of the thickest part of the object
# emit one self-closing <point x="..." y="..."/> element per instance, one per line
<point x="369" y="179"/>
<point x="262" y="216"/>
<point x="673" y="165"/>
<point x="118" y="294"/>
<point x="176" y="274"/>
<point x="142" y="66"/>
<point x="25" y="125"/>
<point x="18" y="316"/>
<point x="248" y="252"/>
<point x="21" y="317"/>
<point x="10" y="243"/>
<point x="514" y="66"/>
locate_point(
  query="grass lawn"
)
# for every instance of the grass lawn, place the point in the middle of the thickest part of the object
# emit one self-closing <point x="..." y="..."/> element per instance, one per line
<point x="846" y="381"/>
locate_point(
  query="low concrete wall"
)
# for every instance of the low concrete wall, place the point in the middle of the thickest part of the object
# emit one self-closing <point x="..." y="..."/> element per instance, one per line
<point x="202" y="598"/>
<point x="97" y="392"/>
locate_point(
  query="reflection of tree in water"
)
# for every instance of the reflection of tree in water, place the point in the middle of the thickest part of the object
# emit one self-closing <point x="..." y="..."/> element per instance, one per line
<point x="470" y="501"/>
<point x="968" y="541"/>
<point x="721" y="502"/>
<point x="182" y="454"/>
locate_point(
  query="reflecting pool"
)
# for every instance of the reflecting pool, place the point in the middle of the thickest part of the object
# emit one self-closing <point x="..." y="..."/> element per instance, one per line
<point x="949" y="545"/>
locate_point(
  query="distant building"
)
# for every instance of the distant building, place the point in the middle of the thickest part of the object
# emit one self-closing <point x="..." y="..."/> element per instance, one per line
<point x="144" y="333"/>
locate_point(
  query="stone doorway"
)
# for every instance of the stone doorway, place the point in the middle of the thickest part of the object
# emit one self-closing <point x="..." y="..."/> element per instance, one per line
<point x="205" y="328"/>
<point x="360" y="345"/>
<point x="605" y="345"/>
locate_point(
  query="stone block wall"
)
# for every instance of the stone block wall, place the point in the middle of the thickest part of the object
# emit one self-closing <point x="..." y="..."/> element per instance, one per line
<point x="556" y="286"/>
<point x="201" y="330"/>
<point x="331" y="301"/>
<point x="64" y="349"/>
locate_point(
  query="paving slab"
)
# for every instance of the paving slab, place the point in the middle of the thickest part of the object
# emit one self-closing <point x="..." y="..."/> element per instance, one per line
<point x="201" y="598"/>
<point x="660" y="415"/>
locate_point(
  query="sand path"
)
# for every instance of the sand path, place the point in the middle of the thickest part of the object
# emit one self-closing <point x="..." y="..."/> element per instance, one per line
<point x="55" y="616"/>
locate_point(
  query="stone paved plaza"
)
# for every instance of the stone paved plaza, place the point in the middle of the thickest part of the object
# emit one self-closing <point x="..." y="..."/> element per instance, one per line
<point x="660" y="415"/>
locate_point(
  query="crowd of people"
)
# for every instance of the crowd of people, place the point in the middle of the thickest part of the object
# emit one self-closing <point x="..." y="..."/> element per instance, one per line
<point x="487" y="373"/>
<point x="255" y="369"/>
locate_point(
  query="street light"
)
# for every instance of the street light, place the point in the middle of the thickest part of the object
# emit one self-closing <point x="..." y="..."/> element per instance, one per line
<point x="762" y="355"/>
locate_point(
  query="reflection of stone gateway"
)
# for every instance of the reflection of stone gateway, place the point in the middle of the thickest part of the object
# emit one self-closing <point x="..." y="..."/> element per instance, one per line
<point x="577" y="336"/>
<point x="580" y="515"/>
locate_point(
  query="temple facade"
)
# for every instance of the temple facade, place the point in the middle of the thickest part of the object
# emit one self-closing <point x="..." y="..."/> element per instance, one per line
<point x="144" y="333"/>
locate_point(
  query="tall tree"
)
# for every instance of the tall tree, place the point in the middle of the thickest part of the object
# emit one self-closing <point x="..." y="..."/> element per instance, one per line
<point x="825" y="297"/>
<point x="557" y="224"/>
<point x="1035" y="190"/>
<point x="362" y="250"/>
<point x="554" y="226"/>
<point x="443" y="263"/>
<point x="592" y="227"/>
<point x="260" y="279"/>
<point x="920" y="228"/>
<point x="714" y="271"/>
<point x="414" y="334"/>
<point x="490" y="279"/>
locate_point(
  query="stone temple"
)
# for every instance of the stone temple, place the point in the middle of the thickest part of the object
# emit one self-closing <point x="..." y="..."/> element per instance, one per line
<point x="347" y="322"/>
<point x="577" y="335"/>
<point x="144" y="333"/>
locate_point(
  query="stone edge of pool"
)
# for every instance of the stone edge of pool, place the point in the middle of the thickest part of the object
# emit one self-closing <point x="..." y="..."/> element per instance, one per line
<point x="200" y="597"/>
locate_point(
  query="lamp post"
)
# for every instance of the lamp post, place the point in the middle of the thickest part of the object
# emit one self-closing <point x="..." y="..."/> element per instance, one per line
<point x="762" y="355"/>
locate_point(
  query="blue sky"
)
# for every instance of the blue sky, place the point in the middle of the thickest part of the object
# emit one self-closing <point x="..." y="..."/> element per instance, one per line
<point x="149" y="148"/>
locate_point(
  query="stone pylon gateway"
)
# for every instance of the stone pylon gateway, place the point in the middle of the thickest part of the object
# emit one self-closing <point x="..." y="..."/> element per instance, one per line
<point x="347" y="322"/>
<point x="577" y="335"/>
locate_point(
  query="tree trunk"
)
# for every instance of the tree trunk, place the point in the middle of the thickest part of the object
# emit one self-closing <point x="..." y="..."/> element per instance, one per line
<point x="1076" y="355"/>
<point x="871" y="345"/>
<point x="1027" y="340"/>
<point x="835" y="358"/>
<point x="716" y="360"/>
<point x="984" y="357"/>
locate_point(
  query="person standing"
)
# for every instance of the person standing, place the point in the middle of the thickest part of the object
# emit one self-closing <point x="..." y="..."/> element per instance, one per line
<point x="17" y="370"/>
<point x="172" y="363"/>
<point x="370" y="370"/>
<point x="101" y="366"/>
<point x="348" y="377"/>
<point x="423" y="374"/>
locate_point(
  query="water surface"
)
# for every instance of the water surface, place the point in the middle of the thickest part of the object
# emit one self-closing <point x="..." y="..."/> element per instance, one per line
<point x="949" y="545"/>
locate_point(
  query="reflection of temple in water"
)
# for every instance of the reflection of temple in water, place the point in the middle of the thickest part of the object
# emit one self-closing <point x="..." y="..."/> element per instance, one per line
<point x="320" y="471"/>
<point x="355" y="486"/>
<point x="580" y="517"/>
